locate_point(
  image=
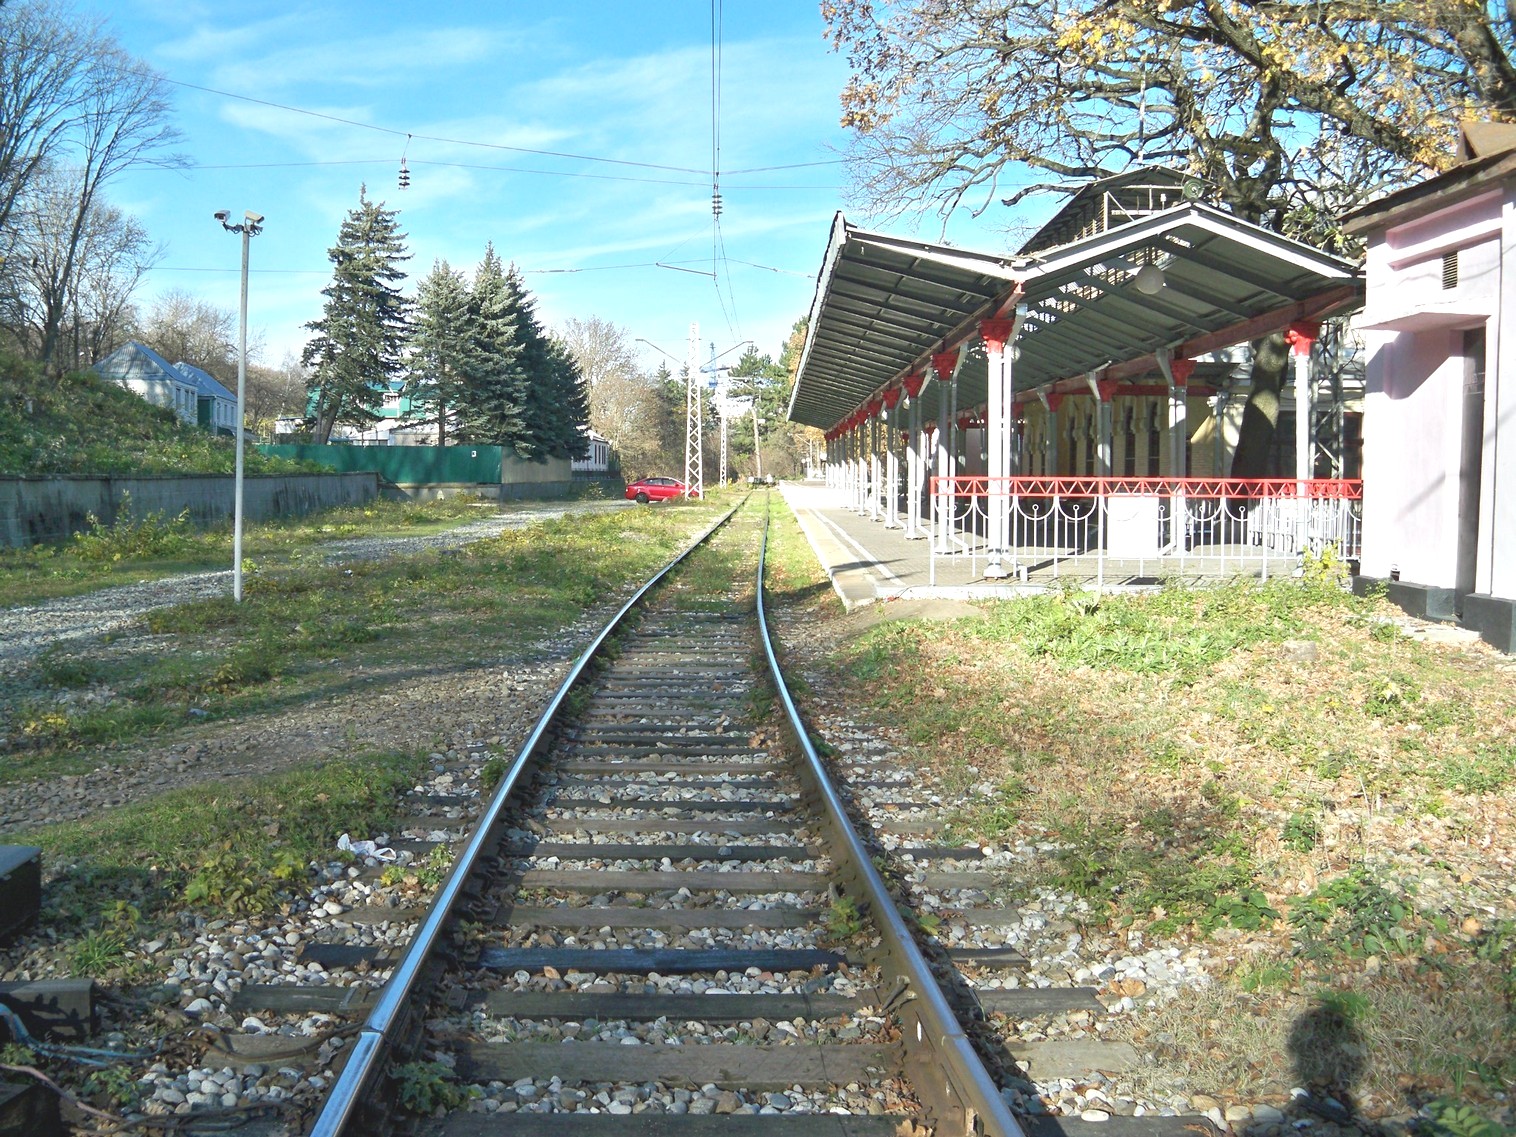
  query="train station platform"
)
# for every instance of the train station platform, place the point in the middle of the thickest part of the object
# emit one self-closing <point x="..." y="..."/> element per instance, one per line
<point x="868" y="562"/>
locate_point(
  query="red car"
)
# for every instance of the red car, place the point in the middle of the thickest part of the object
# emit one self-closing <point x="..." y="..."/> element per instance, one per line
<point x="654" y="489"/>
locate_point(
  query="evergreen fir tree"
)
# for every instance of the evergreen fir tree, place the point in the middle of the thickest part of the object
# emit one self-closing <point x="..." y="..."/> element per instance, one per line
<point x="444" y="350"/>
<point x="571" y="400"/>
<point x="554" y="402"/>
<point x="533" y="365"/>
<point x="491" y="390"/>
<point x="359" y="338"/>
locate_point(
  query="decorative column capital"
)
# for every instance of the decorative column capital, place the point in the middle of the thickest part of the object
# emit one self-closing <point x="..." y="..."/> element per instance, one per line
<point x="890" y="397"/>
<point x="1301" y="335"/>
<point x="995" y="333"/>
<point x="913" y="384"/>
<point x="1182" y="369"/>
<point x="943" y="363"/>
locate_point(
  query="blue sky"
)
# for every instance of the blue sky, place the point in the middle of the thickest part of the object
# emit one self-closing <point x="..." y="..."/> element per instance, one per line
<point x="629" y="83"/>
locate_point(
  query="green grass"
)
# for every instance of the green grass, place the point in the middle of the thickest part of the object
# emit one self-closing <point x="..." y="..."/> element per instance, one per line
<point x="292" y="638"/>
<point x="153" y="547"/>
<point x="1177" y="631"/>
<point x="235" y="845"/>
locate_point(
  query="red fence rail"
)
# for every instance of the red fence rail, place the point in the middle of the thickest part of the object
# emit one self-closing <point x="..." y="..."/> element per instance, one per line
<point x="1320" y="489"/>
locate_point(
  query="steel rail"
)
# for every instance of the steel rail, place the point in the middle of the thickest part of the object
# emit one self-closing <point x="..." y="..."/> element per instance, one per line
<point x="955" y="1082"/>
<point x="375" y="1037"/>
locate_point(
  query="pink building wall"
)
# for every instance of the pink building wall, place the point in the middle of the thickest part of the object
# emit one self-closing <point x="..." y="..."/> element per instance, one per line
<point x="1416" y="416"/>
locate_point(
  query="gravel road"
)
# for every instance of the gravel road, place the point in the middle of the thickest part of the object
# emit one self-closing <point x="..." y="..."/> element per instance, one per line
<point x="24" y="632"/>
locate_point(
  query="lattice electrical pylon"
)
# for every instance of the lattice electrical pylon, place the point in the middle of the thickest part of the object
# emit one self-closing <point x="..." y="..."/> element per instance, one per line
<point x="694" y="452"/>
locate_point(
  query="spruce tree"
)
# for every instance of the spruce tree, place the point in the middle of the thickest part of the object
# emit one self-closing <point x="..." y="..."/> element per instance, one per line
<point x="359" y="338"/>
<point x="491" y="386"/>
<point x="572" y="404"/>
<point x="554" y="402"/>
<point x="444" y="350"/>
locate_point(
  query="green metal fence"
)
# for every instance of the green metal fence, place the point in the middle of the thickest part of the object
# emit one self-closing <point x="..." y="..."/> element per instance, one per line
<point x="404" y="465"/>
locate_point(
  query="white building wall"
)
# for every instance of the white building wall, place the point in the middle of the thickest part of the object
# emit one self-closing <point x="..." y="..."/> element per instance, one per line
<point x="1413" y="329"/>
<point x="1410" y="456"/>
<point x="1497" y="528"/>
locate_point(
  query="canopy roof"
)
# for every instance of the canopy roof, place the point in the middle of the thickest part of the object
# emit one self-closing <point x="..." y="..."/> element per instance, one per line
<point x="884" y="304"/>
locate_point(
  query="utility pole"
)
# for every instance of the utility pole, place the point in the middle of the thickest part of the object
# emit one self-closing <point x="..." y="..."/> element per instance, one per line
<point x="723" y="406"/>
<point x="694" y="454"/>
<point x="757" y="454"/>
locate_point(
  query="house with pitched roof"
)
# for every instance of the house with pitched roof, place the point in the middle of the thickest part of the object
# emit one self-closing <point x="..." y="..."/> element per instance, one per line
<point x="195" y="395"/>
<point x="139" y="368"/>
<point x="216" y="407"/>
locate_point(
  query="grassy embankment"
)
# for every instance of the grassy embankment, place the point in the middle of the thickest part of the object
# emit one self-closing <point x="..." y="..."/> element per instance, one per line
<point x="81" y="424"/>
<point x="1274" y="771"/>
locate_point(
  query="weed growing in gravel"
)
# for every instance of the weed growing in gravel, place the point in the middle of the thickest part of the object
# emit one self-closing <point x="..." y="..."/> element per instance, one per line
<point x="97" y="953"/>
<point x="114" y="1086"/>
<point x="243" y="882"/>
<point x="492" y="773"/>
<point x="843" y="920"/>
<point x="1358" y="914"/>
<point x="67" y="668"/>
<point x="433" y="870"/>
<point x="423" y="1087"/>
<point x="1448" y="1117"/>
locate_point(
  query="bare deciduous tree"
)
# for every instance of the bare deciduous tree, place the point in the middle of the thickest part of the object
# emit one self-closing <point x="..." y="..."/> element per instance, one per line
<point x="185" y="329"/>
<point x="70" y="100"/>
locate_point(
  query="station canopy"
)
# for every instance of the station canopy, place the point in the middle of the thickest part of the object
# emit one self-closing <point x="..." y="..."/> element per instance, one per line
<point x="1191" y="279"/>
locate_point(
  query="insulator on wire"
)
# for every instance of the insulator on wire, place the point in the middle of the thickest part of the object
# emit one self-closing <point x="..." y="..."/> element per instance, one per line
<point x="405" y="175"/>
<point x="716" y="203"/>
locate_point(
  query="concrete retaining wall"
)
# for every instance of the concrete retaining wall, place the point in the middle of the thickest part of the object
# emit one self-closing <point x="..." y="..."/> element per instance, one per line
<point x="36" y="510"/>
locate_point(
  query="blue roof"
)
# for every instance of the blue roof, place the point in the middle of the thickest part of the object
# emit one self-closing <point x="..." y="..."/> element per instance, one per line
<point x="138" y="361"/>
<point x="207" y="382"/>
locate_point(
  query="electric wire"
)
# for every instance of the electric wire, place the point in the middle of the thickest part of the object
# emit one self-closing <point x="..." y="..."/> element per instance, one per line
<point x="429" y="137"/>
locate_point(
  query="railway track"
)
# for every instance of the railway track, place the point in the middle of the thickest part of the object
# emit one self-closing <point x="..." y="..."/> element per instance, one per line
<point x="664" y="912"/>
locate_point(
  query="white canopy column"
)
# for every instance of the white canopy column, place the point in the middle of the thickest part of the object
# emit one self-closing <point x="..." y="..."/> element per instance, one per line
<point x="876" y="409"/>
<point x="860" y="478"/>
<point x="891" y="430"/>
<point x="1301" y="336"/>
<point x="999" y="337"/>
<point x="913" y="455"/>
<point x="1177" y="372"/>
<point x="945" y="365"/>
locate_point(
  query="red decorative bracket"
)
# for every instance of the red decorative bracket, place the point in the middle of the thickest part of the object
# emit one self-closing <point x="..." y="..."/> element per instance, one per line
<point x="891" y="397"/>
<point x="943" y="363"/>
<point x="1301" y="335"/>
<point x="1182" y="369"/>
<point x="913" y="384"/>
<point x="995" y="333"/>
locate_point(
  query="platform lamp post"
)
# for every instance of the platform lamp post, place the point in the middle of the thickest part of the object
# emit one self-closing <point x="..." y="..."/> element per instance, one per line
<point x="252" y="224"/>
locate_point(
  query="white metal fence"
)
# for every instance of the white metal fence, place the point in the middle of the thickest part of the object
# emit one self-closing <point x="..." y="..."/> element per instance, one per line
<point x="1100" y="530"/>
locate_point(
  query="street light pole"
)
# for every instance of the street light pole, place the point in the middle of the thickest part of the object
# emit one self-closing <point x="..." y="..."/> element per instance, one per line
<point x="251" y="225"/>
